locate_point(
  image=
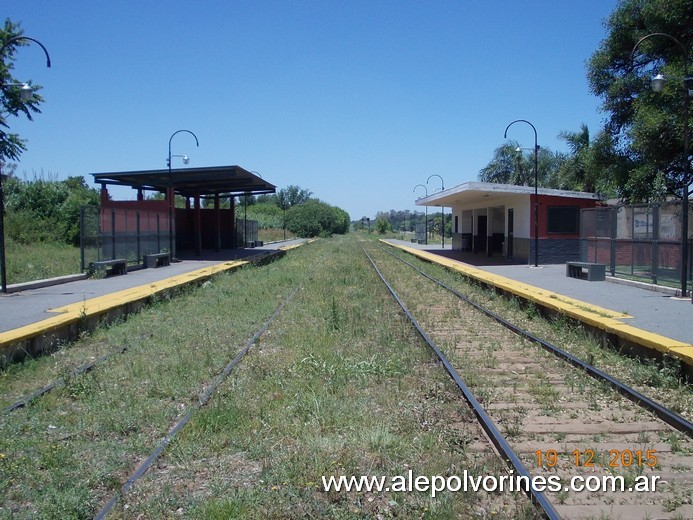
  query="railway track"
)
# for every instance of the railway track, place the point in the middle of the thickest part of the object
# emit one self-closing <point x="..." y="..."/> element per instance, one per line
<point x="549" y="419"/>
<point x="549" y="414"/>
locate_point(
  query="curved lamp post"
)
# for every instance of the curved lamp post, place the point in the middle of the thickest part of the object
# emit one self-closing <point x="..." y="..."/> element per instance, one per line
<point x="172" y="191"/>
<point x="26" y="92"/>
<point x="426" y="222"/>
<point x="442" y="210"/>
<point x="657" y="85"/>
<point x="536" y="187"/>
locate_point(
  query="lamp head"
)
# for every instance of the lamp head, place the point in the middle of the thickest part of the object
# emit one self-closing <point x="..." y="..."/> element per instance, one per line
<point x="186" y="159"/>
<point x="26" y="91"/>
<point x="658" y="83"/>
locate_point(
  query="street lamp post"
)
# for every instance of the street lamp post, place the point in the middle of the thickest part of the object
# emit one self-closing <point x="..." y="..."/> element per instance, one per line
<point x="442" y="210"/>
<point x="26" y="93"/>
<point x="172" y="191"/>
<point x="536" y="187"/>
<point x="657" y="86"/>
<point x="426" y="222"/>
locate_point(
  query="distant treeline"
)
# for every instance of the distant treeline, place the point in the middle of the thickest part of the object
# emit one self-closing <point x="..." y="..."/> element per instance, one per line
<point x="405" y="221"/>
<point x="47" y="210"/>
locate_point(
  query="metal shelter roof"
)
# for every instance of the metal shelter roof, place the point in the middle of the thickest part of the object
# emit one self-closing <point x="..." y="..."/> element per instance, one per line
<point x="472" y="192"/>
<point x="188" y="182"/>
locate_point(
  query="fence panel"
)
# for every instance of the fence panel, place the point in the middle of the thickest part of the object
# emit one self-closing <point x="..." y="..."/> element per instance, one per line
<point x="121" y="233"/>
<point x="642" y="241"/>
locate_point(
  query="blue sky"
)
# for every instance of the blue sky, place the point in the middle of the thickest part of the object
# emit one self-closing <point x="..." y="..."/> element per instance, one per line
<point x="357" y="101"/>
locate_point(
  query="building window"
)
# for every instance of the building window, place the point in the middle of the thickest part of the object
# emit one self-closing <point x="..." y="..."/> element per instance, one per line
<point x="563" y="220"/>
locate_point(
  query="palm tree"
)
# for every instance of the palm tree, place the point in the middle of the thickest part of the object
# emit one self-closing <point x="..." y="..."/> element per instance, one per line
<point x="508" y="166"/>
<point x="575" y="173"/>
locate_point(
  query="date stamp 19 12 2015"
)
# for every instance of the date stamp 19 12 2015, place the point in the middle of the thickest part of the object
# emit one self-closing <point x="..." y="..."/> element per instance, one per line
<point x="587" y="458"/>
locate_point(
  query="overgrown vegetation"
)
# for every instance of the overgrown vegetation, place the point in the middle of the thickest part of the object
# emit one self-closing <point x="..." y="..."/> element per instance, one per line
<point x="293" y="208"/>
<point x="338" y="385"/>
<point x="46" y="210"/>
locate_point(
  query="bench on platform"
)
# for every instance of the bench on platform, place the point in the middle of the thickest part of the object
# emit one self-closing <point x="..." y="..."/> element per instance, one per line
<point x="157" y="260"/>
<point x="589" y="271"/>
<point x="109" y="267"/>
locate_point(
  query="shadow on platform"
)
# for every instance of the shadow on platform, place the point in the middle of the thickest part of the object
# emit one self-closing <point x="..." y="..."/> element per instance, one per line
<point x="223" y="255"/>
<point x="476" y="259"/>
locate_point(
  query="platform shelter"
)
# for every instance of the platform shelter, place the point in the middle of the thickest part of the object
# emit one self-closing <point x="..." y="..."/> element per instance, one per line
<point x="207" y="222"/>
<point x="498" y="219"/>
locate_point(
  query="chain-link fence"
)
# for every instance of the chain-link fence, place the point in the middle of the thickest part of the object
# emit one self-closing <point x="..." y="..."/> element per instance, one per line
<point x="642" y="241"/>
<point x="122" y="233"/>
<point x="246" y="232"/>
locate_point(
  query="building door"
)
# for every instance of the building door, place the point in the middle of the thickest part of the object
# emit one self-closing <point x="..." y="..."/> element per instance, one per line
<point x="481" y="232"/>
<point x="511" y="225"/>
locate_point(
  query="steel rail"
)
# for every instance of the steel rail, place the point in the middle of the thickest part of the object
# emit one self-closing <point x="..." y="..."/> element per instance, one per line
<point x="26" y="400"/>
<point x="663" y="413"/>
<point x="83" y="369"/>
<point x="499" y="442"/>
<point x="204" y="398"/>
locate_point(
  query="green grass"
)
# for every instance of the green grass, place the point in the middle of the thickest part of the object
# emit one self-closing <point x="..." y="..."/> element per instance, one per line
<point x="38" y="261"/>
<point x="339" y="384"/>
<point x="28" y="262"/>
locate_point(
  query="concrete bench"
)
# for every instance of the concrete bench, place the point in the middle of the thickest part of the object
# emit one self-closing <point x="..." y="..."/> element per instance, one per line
<point x="157" y="260"/>
<point x="586" y="271"/>
<point x="109" y="267"/>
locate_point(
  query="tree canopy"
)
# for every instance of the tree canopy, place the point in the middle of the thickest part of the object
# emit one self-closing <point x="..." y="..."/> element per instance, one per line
<point x="46" y="210"/>
<point x="642" y="143"/>
<point x="316" y="218"/>
<point x="11" y="145"/>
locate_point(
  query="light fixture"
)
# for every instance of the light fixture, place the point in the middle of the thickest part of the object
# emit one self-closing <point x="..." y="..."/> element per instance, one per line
<point x="25" y="90"/>
<point x="658" y="83"/>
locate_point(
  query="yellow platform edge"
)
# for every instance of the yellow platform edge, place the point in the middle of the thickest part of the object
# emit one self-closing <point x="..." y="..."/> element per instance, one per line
<point x="68" y="315"/>
<point x="592" y="315"/>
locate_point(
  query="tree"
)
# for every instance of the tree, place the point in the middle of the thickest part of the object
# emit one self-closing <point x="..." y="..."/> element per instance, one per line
<point x="46" y="210"/>
<point x="316" y="218"/>
<point x="514" y="165"/>
<point x="382" y="226"/>
<point x="11" y="145"/>
<point x="291" y="196"/>
<point x="506" y="167"/>
<point x="573" y="173"/>
<point x="645" y="128"/>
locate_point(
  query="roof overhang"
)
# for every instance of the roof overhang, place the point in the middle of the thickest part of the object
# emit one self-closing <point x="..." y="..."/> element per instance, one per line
<point x="190" y="182"/>
<point x="470" y="193"/>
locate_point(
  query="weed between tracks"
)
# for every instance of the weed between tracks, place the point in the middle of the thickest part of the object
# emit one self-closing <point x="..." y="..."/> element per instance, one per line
<point x="659" y="381"/>
<point x="338" y="385"/>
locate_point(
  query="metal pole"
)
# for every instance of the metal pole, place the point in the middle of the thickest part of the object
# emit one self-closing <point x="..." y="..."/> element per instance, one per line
<point x="536" y="187"/>
<point x="426" y="207"/>
<point x="172" y="194"/>
<point x="442" y="210"/>
<point x="686" y="159"/>
<point x="3" y="273"/>
<point x="3" y="270"/>
<point x="536" y="204"/>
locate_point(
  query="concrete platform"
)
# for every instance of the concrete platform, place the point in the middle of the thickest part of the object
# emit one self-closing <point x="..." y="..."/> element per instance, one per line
<point x="636" y="315"/>
<point x="40" y="314"/>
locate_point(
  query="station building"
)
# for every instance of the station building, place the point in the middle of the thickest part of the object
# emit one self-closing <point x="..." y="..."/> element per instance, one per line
<point x="498" y="219"/>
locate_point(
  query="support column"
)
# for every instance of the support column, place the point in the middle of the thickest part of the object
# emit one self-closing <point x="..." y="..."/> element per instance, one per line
<point x="217" y="223"/>
<point x="198" y="225"/>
